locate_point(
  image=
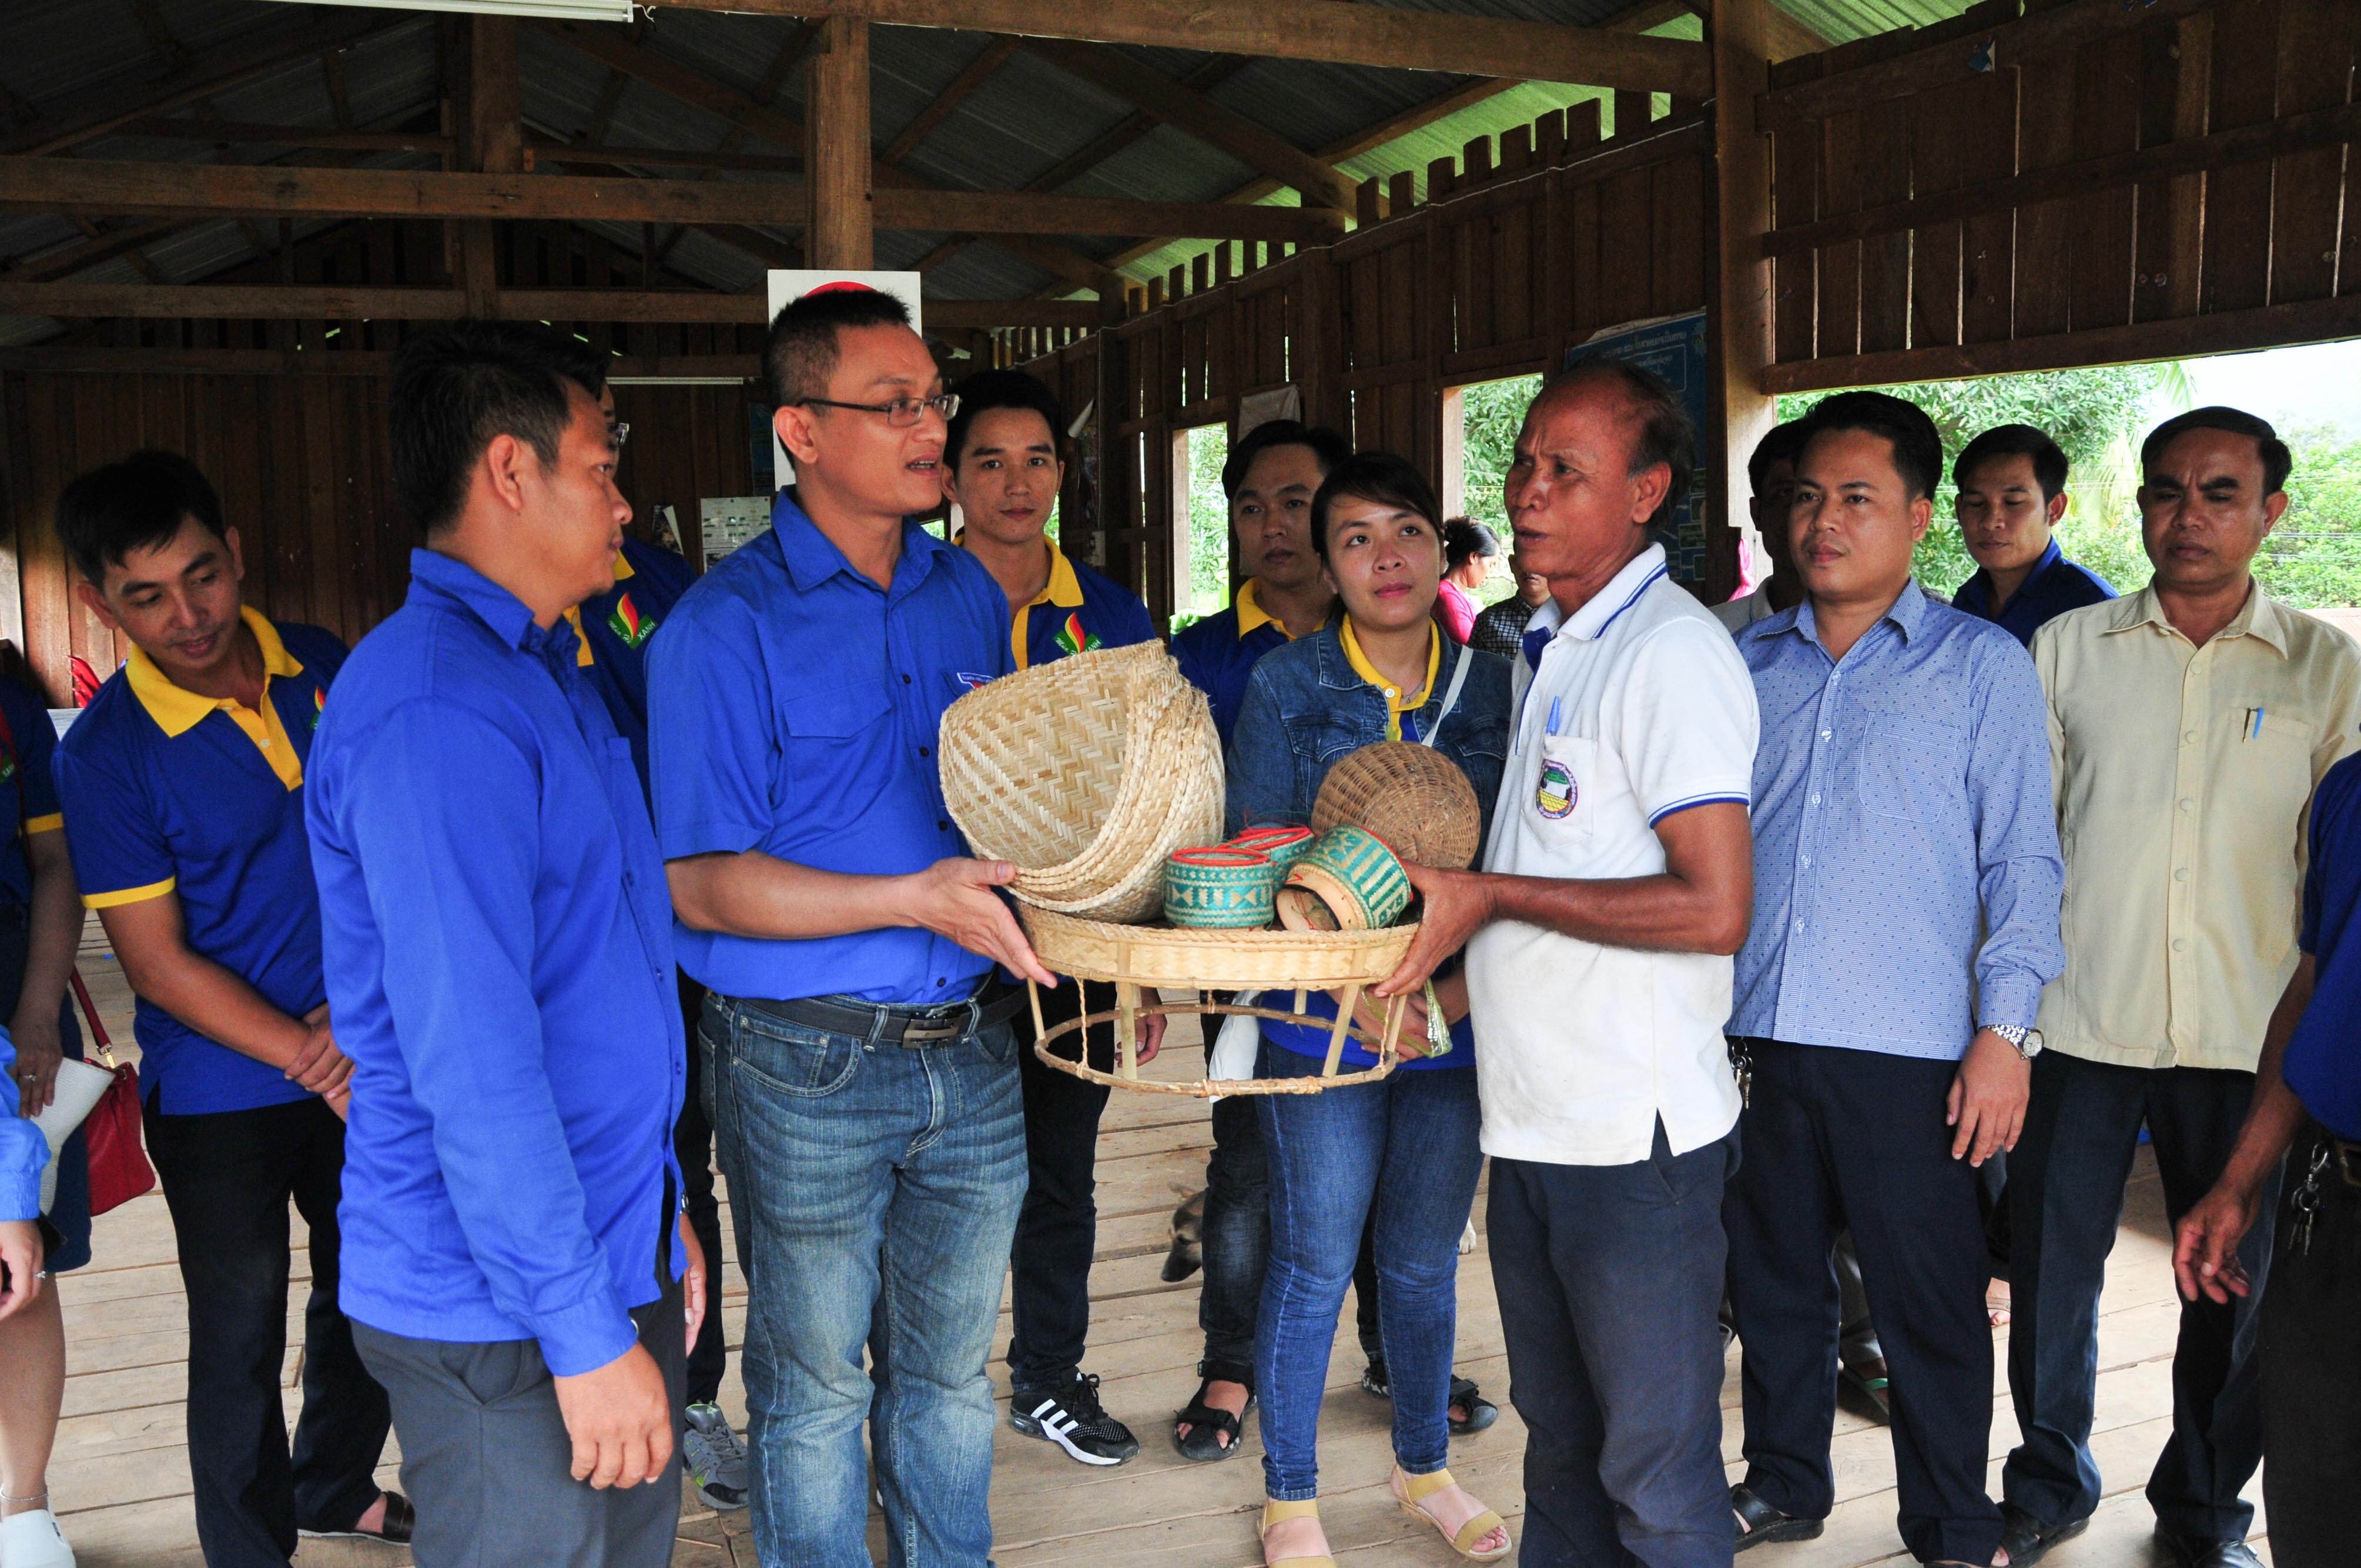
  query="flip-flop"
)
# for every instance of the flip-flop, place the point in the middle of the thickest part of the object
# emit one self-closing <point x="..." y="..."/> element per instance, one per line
<point x="1876" y="1390"/>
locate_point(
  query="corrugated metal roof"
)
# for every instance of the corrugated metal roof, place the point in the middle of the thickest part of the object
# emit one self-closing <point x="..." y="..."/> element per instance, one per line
<point x="1026" y="119"/>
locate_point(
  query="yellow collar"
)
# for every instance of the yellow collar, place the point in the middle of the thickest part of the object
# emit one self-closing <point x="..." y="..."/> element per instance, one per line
<point x="2260" y="617"/>
<point x="1063" y="590"/>
<point x="176" y="711"/>
<point x="1396" y="703"/>
<point x="573" y="614"/>
<point x="1251" y="613"/>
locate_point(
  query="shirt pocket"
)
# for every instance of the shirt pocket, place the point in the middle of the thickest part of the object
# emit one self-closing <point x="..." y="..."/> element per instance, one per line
<point x="1912" y="767"/>
<point x="837" y="713"/>
<point x="1563" y="803"/>
<point x="2268" y="774"/>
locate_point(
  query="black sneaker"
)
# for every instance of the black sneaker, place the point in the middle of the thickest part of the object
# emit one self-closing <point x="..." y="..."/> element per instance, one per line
<point x="1072" y="1418"/>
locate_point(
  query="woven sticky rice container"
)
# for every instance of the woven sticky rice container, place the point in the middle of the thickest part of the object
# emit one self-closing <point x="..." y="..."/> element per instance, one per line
<point x="1086" y="772"/>
<point x="1411" y="797"/>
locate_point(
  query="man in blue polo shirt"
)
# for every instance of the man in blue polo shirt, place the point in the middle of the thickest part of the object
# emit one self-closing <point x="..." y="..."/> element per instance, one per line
<point x="2307" y="1099"/>
<point x="182" y="787"/>
<point x="613" y="629"/>
<point x="1001" y="465"/>
<point x="2011" y="485"/>
<point x="500" y="958"/>
<point x="863" y="1073"/>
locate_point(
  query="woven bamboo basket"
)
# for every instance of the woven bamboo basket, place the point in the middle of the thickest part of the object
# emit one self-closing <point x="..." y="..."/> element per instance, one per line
<point x="1139" y="961"/>
<point x="1085" y="773"/>
<point x="1411" y="797"/>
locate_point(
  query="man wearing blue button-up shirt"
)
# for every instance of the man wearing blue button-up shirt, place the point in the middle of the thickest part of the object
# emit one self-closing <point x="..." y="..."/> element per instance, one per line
<point x="862" y="1070"/>
<point x="1905" y="919"/>
<point x="497" y="950"/>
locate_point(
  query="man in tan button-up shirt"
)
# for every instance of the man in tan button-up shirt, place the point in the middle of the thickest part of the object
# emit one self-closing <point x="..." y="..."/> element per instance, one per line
<point x="2188" y="725"/>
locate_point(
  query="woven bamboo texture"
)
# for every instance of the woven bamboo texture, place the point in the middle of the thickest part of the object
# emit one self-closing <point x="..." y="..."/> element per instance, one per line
<point x="1210" y="958"/>
<point x="1409" y="795"/>
<point x="1381" y="1047"/>
<point x="1085" y="773"/>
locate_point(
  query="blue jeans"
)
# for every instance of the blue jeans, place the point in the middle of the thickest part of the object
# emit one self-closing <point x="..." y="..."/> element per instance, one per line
<point x="867" y="1181"/>
<point x="1405" y="1146"/>
<point x="1608" y="1276"/>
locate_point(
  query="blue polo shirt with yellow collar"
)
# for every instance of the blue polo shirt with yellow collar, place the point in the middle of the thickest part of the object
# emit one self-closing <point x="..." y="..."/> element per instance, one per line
<point x="165" y="791"/>
<point x="794" y="706"/>
<point x="28" y="790"/>
<point x="1218" y="653"/>
<point x="611" y="634"/>
<point x="1079" y="609"/>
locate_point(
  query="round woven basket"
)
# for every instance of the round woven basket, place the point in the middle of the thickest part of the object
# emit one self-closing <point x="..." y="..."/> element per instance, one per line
<point x="1142" y="960"/>
<point x="1085" y="773"/>
<point x="1411" y="797"/>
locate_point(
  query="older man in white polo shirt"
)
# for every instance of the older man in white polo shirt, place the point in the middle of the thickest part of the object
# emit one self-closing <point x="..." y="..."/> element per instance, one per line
<point x="1617" y="885"/>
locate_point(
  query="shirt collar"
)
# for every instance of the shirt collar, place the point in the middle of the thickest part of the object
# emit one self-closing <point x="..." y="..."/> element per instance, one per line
<point x="812" y="558"/>
<point x="1622" y="592"/>
<point x="1907" y="612"/>
<point x="177" y="710"/>
<point x="1251" y="614"/>
<point x="507" y="615"/>
<point x="2259" y="616"/>
<point x="1977" y="591"/>
<point x="1063" y="590"/>
<point x="1398" y="702"/>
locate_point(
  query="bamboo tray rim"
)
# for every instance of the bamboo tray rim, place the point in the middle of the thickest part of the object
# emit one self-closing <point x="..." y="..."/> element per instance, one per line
<point x="1213" y="958"/>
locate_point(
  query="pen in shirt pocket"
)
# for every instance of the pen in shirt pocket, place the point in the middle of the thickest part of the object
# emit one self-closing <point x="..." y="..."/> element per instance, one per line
<point x="2254" y="723"/>
<point x="1551" y="729"/>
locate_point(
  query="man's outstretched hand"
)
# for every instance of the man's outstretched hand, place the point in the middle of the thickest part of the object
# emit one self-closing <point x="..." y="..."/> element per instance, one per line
<point x="2205" y="1246"/>
<point x="1456" y="904"/>
<point x="958" y="898"/>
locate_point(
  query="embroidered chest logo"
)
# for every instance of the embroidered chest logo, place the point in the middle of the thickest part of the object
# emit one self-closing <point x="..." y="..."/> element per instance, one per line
<point x="1554" y="796"/>
<point x="972" y="681"/>
<point x="7" y="767"/>
<point x="319" y="706"/>
<point x="626" y="622"/>
<point x="1074" y="639"/>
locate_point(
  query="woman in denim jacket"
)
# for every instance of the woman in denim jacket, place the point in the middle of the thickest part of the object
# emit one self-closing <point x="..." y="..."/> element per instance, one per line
<point x="1403" y="1150"/>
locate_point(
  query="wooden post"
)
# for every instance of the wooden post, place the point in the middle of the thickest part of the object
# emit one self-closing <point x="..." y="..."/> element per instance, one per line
<point x="836" y="146"/>
<point x="1737" y="336"/>
<point x="491" y="132"/>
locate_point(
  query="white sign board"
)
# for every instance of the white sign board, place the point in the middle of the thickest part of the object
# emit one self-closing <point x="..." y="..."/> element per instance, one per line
<point x="790" y="284"/>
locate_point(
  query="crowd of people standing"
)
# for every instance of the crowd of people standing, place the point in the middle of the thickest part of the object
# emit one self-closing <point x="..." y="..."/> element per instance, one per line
<point x="1827" y="954"/>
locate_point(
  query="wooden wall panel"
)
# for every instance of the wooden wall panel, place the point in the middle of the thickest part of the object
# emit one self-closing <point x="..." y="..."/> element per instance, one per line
<point x="2147" y="188"/>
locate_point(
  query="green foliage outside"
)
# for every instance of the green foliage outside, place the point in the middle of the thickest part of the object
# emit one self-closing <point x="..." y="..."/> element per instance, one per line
<point x="1208" y="588"/>
<point x="1493" y="413"/>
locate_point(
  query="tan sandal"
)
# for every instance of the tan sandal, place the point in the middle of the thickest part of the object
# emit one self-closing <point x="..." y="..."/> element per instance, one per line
<point x="1275" y="1512"/>
<point x="1463" y="1539"/>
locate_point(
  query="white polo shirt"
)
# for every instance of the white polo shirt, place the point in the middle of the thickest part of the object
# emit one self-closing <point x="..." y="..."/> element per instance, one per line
<point x="1641" y="707"/>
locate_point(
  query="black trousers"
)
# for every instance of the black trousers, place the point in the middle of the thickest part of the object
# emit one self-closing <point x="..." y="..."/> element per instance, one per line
<point x="692" y="1144"/>
<point x="1608" y="1277"/>
<point x="229" y="1177"/>
<point x="2311" y="1360"/>
<point x="1057" y="1229"/>
<point x="1833" y="1138"/>
<point x="2067" y="1185"/>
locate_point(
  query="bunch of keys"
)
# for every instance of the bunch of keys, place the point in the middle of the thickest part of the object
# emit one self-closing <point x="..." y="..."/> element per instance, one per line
<point x="2309" y="1201"/>
<point x="1741" y="1062"/>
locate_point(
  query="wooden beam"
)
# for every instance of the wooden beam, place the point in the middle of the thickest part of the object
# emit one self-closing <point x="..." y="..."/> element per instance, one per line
<point x="490" y="122"/>
<point x="375" y="302"/>
<point x="151" y="21"/>
<point x="955" y="92"/>
<point x="106" y="247"/>
<point x="1127" y="81"/>
<point x="607" y="44"/>
<point x="843" y="231"/>
<point x="591" y="155"/>
<point x="2183" y="337"/>
<point x="1737" y="330"/>
<point x="212" y="70"/>
<point x="75" y="358"/>
<point x="2048" y="34"/>
<point x="1332" y="30"/>
<point x="206" y="191"/>
<point x="239" y="133"/>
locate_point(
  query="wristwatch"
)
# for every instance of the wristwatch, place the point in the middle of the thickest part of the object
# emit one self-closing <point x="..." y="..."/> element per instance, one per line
<point x="2026" y="1041"/>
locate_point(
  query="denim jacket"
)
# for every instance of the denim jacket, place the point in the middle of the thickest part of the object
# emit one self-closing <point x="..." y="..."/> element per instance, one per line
<point x="1305" y="706"/>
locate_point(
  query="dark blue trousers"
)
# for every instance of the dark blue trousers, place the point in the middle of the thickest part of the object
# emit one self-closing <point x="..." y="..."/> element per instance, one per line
<point x="1609" y="1281"/>
<point x="1837" y="1137"/>
<point x="2066" y="1186"/>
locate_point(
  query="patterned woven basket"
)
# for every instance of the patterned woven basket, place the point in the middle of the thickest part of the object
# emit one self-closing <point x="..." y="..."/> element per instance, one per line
<point x="1085" y="773"/>
<point x="1411" y="797"/>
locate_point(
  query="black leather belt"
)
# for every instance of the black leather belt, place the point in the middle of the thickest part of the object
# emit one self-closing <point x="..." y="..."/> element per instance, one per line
<point x="911" y="1027"/>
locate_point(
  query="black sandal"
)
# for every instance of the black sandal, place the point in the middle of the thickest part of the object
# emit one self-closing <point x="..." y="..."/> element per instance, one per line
<point x="1465" y="1395"/>
<point x="1209" y="1425"/>
<point x="1762" y="1522"/>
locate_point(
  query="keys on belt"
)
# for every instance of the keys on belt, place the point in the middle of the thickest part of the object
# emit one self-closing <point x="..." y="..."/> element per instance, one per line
<point x="2334" y="1160"/>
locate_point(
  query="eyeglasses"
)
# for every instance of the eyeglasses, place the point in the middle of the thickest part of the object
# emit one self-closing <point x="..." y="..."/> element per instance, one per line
<point x="618" y="433"/>
<point x="902" y="412"/>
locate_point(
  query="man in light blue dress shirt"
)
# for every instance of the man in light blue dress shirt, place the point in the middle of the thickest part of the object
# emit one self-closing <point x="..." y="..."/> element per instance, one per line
<point x="1905" y="919"/>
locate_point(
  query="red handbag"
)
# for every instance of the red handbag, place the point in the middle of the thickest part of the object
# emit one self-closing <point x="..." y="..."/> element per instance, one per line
<point x="119" y="1170"/>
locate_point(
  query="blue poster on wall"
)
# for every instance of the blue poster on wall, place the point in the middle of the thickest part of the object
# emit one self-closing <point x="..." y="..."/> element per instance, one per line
<point x="1673" y="347"/>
